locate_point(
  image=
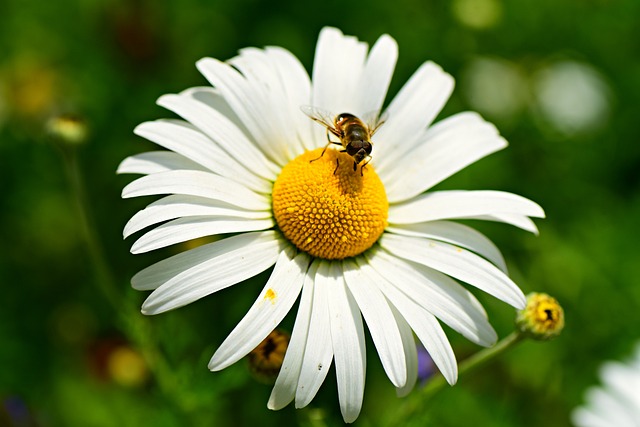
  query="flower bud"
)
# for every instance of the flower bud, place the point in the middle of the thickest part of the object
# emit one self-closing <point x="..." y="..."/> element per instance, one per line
<point x="266" y="359"/>
<point x="67" y="129"/>
<point x="542" y="318"/>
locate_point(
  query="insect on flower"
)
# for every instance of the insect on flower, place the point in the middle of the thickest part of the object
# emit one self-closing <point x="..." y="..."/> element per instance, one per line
<point x="380" y="251"/>
<point x="355" y="134"/>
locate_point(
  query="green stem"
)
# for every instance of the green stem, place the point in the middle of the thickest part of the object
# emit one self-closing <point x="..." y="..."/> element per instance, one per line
<point x="104" y="277"/>
<point x="418" y="399"/>
<point x="135" y="327"/>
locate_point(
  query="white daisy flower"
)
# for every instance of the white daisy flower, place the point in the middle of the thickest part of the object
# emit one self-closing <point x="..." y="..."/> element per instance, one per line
<point x="617" y="401"/>
<point x="371" y="243"/>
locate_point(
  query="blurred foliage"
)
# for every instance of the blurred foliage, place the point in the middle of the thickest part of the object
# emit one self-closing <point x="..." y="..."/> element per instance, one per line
<point x="107" y="61"/>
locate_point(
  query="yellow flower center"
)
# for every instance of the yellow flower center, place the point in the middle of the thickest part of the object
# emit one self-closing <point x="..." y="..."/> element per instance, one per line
<point x="329" y="215"/>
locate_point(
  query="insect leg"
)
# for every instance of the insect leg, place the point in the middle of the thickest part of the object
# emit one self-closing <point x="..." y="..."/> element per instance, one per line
<point x="337" y="166"/>
<point x="322" y="154"/>
<point x="326" y="146"/>
<point x="365" y="164"/>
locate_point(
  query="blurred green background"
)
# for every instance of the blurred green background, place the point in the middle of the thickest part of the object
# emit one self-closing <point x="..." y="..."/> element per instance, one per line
<point x="560" y="79"/>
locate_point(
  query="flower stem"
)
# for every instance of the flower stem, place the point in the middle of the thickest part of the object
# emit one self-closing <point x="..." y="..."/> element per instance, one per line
<point x="104" y="278"/>
<point x="418" y="399"/>
<point x="136" y="328"/>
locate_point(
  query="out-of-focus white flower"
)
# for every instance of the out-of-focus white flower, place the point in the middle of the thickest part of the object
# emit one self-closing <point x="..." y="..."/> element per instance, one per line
<point x="495" y="87"/>
<point x="617" y="402"/>
<point x="573" y="97"/>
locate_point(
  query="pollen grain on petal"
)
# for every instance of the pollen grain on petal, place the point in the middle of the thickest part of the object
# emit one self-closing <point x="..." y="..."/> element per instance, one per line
<point x="270" y="295"/>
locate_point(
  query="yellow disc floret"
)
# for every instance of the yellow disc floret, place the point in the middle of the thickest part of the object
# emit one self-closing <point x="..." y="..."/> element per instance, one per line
<point x="542" y="318"/>
<point x="329" y="215"/>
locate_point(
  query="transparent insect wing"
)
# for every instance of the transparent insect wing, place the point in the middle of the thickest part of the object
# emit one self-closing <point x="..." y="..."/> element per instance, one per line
<point x="373" y="120"/>
<point x="319" y="115"/>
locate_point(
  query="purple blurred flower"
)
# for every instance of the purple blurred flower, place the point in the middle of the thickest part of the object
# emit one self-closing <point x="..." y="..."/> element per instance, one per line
<point x="426" y="367"/>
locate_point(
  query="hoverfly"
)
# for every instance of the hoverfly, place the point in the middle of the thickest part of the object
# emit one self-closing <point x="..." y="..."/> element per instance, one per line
<point x="354" y="134"/>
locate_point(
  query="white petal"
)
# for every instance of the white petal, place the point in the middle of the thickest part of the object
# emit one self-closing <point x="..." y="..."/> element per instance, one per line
<point x="223" y="132"/>
<point x="438" y="294"/>
<point x="189" y="276"/>
<point x="197" y="147"/>
<point x="590" y="417"/>
<point x="461" y="204"/>
<point x="155" y="275"/>
<point x="249" y="95"/>
<point x="623" y="380"/>
<point x="177" y="206"/>
<point x="200" y="184"/>
<point x="260" y="80"/>
<point x="376" y="75"/>
<point x="284" y="390"/>
<point x="284" y="82"/>
<point x="426" y="328"/>
<point x="189" y="228"/>
<point x="337" y="69"/>
<point x="297" y="86"/>
<point x="318" y="354"/>
<point x="347" y="336"/>
<point x="605" y="405"/>
<point x="155" y="162"/>
<point x="411" y="111"/>
<point x="275" y="301"/>
<point x="381" y="323"/>
<point x="213" y="98"/>
<point x="410" y="351"/>
<point x="519" y="221"/>
<point x="458" y="263"/>
<point x="445" y="148"/>
<point x="454" y="233"/>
